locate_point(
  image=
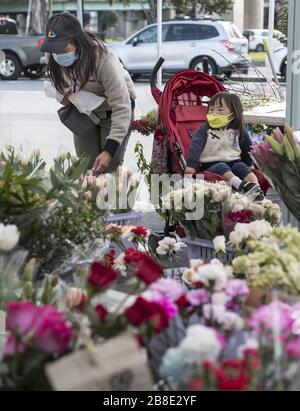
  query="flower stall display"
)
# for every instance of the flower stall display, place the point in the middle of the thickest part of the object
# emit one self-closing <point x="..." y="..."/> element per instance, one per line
<point x="265" y="356"/>
<point x="279" y="159"/>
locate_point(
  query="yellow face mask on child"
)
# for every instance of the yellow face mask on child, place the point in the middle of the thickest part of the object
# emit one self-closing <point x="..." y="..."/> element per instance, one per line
<point x="219" y="120"/>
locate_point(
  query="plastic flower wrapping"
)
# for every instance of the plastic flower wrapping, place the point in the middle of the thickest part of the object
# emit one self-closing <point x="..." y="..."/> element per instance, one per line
<point x="279" y="159"/>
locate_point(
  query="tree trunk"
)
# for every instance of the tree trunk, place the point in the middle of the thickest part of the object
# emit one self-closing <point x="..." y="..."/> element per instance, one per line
<point x="41" y="11"/>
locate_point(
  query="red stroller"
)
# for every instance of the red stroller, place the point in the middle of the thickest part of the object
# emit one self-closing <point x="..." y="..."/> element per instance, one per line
<point x="182" y="109"/>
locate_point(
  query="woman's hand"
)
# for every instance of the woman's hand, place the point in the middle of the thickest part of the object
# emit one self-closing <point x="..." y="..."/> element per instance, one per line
<point x="190" y="170"/>
<point x="102" y="162"/>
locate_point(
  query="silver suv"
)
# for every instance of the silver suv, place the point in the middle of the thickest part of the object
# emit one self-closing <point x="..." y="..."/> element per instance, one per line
<point x="185" y="43"/>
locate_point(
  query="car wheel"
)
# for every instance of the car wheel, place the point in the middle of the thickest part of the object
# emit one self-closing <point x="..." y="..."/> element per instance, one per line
<point x="260" y="48"/>
<point x="36" y="72"/>
<point x="197" y="64"/>
<point x="10" y="68"/>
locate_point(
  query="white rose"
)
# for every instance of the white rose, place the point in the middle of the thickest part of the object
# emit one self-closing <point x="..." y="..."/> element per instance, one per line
<point x="220" y="243"/>
<point x="9" y="237"/>
<point x="236" y="238"/>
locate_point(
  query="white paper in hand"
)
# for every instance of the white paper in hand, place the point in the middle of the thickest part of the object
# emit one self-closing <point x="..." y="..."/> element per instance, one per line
<point x="85" y="101"/>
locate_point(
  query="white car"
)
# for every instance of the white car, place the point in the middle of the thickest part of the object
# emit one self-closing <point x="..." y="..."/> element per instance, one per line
<point x="256" y="39"/>
<point x="185" y="44"/>
<point x="280" y="61"/>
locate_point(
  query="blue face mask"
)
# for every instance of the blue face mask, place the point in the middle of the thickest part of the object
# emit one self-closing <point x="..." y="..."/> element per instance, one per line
<point x="65" y="60"/>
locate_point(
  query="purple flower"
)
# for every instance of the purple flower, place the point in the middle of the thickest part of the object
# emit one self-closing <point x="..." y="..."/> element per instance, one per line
<point x="198" y="297"/>
<point x="238" y="292"/>
<point x="167" y="289"/>
<point x="237" y="288"/>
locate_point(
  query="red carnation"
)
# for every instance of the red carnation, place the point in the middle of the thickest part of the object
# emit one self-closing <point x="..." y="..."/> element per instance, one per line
<point x="183" y="303"/>
<point x="196" y="384"/>
<point x="148" y="270"/>
<point x="140" y="230"/>
<point x="251" y="359"/>
<point x="83" y="302"/>
<point x="145" y="312"/>
<point x="101" y="312"/>
<point x="109" y="258"/>
<point x="232" y="376"/>
<point x="101" y="276"/>
<point x="132" y="255"/>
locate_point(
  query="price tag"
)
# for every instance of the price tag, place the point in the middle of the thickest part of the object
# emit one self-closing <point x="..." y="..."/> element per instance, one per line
<point x="116" y="365"/>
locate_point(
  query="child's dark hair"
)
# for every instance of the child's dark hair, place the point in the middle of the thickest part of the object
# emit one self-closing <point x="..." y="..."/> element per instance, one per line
<point x="234" y="104"/>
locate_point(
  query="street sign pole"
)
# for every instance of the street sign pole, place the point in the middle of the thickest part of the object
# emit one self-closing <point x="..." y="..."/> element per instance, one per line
<point x="293" y="66"/>
<point x="28" y="17"/>
<point x="80" y="11"/>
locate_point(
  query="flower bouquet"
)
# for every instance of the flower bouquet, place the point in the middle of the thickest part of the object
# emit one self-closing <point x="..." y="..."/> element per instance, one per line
<point x="146" y="125"/>
<point x="279" y="159"/>
<point x="210" y="198"/>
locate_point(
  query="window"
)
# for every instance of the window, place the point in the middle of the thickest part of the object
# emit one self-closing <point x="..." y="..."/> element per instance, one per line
<point x="149" y="35"/>
<point x="207" y="32"/>
<point x="186" y="32"/>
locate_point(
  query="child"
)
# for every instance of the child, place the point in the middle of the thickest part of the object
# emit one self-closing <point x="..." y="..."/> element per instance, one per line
<point x="222" y="145"/>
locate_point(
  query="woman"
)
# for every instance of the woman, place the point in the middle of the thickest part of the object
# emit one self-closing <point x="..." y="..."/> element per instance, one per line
<point x="77" y="60"/>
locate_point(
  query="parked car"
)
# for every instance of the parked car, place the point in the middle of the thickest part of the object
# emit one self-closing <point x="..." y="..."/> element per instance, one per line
<point x="22" y="54"/>
<point x="256" y="39"/>
<point x="280" y="61"/>
<point x="185" y="44"/>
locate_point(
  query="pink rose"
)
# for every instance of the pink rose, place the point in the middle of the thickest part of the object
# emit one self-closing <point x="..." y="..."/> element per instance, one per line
<point x="53" y="334"/>
<point x="21" y="316"/>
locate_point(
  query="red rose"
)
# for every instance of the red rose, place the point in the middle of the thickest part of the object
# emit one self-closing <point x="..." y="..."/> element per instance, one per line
<point x="132" y="255"/>
<point x="101" y="276"/>
<point x="141" y="230"/>
<point x="145" y="312"/>
<point x="148" y="270"/>
<point x="232" y="376"/>
<point x="101" y="312"/>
